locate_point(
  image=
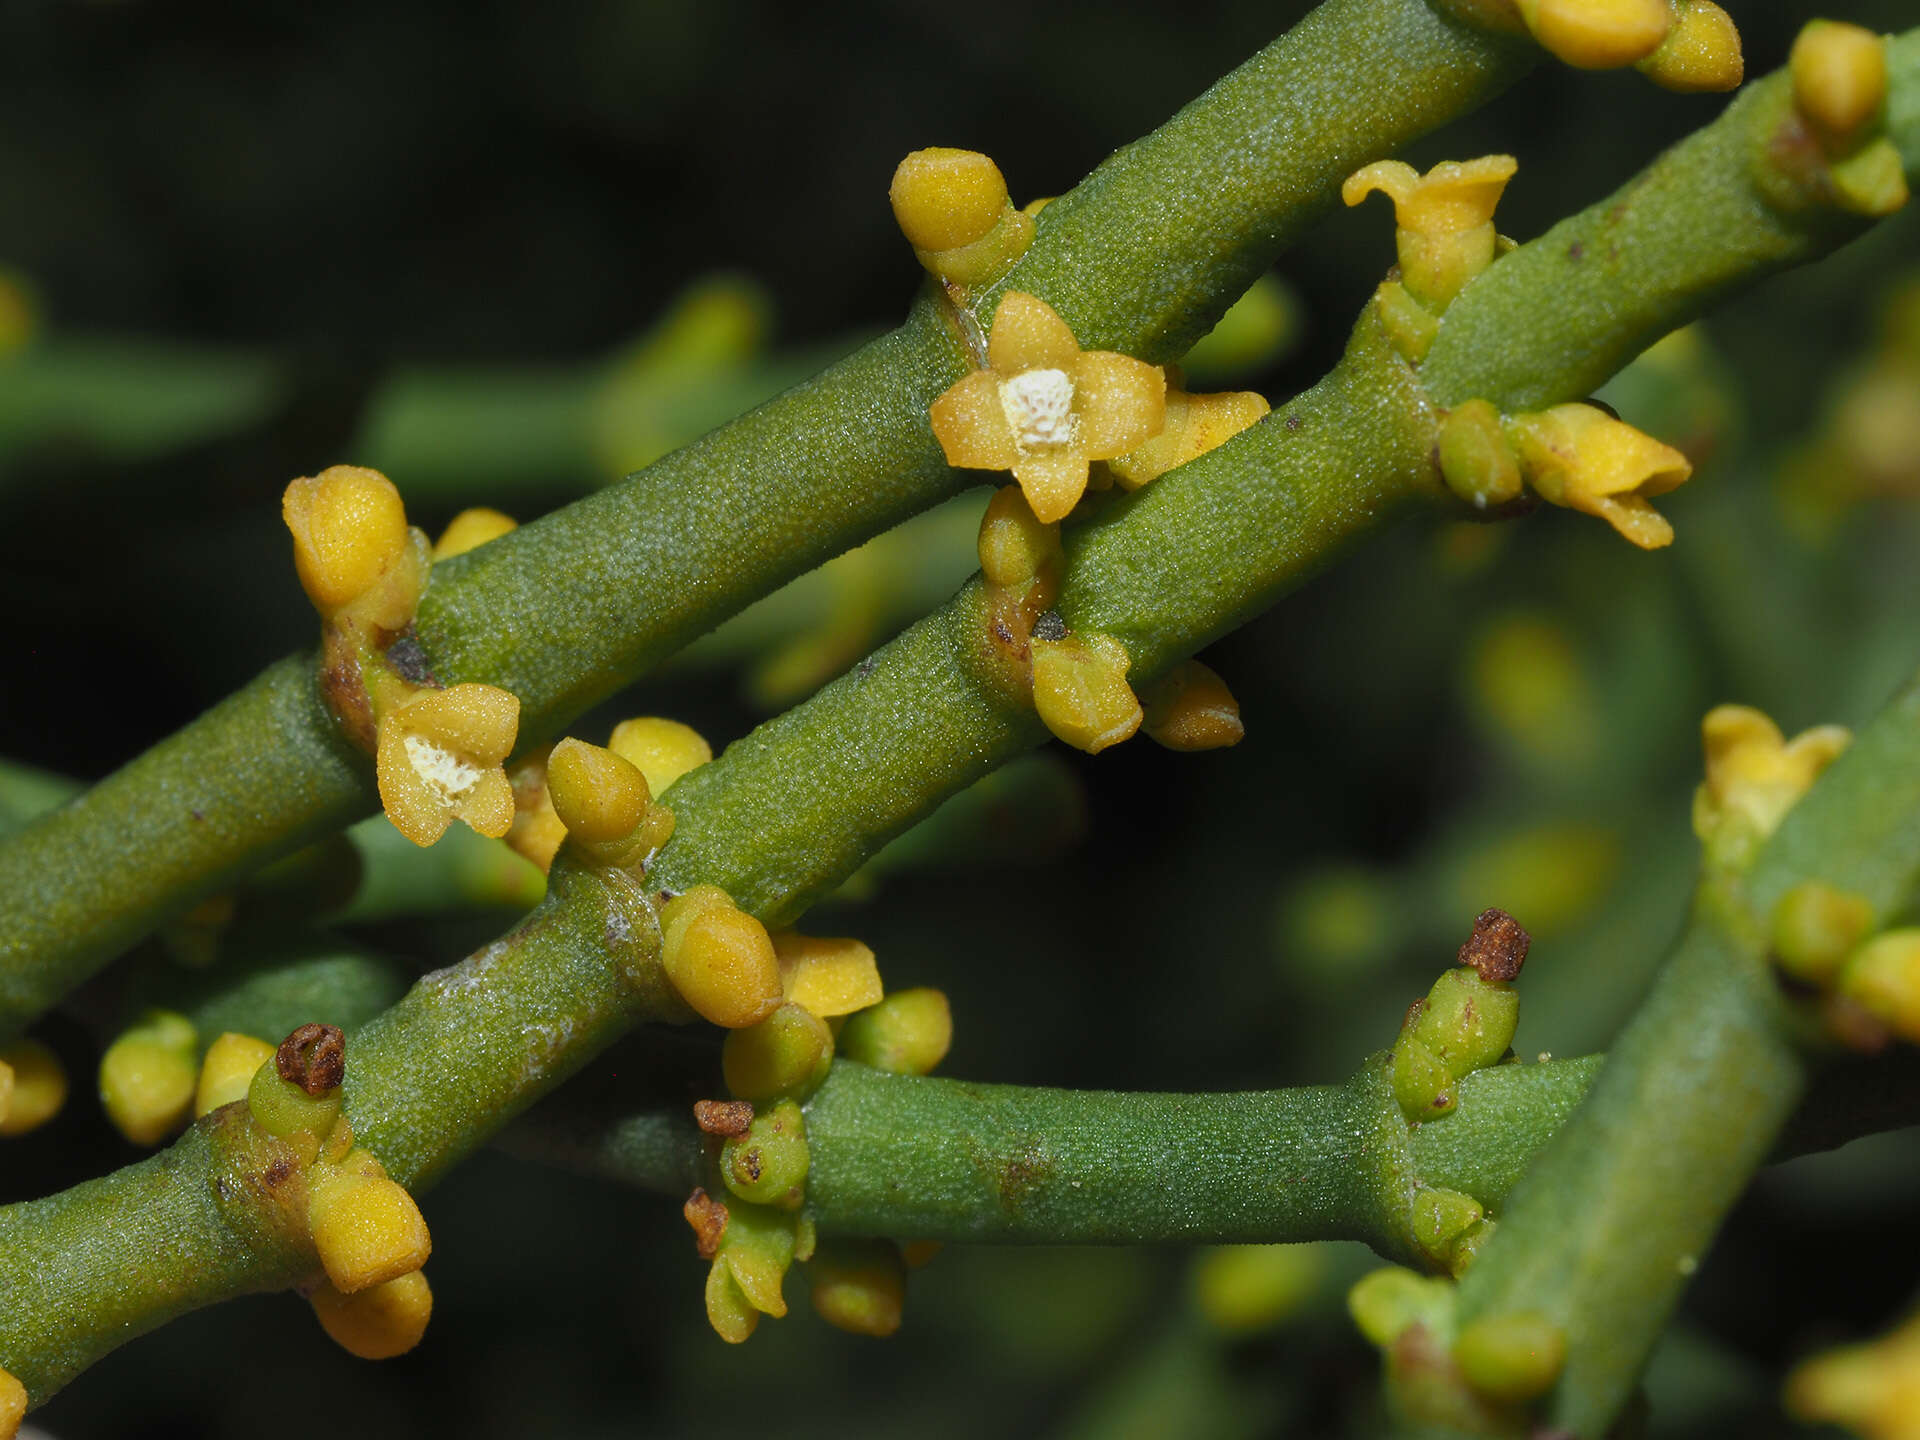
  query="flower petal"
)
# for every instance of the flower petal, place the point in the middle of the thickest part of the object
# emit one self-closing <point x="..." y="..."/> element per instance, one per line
<point x="417" y="810"/>
<point x="1122" y="402"/>
<point x="971" y="424"/>
<point x="1053" y="482"/>
<point x="488" y="807"/>
<point x="1028" y="335"/>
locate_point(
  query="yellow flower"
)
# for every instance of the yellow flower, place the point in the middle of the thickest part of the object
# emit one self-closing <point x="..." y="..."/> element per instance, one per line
<point x="1581" y="457"/>
<point x="440" y="758"/>
<point x="1872" y="1389"/>
<point x="1044" y="408"/>
<point x="1195" y="424"/>
<point x="1445" y="233"/>
<point x="350" y="539"/>
<point x="1754" y="777"/>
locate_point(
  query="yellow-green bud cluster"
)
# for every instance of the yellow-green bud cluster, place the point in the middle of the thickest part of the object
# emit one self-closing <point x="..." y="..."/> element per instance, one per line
<point x="1865" y="986"/>
<point x="367" y="1232"/>
<point x="750" y="1220"/>
<point x="1840" y="91"/>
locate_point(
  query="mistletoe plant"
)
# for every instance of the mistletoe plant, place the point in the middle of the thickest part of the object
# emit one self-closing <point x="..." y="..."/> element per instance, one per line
<point x="1540" y="1218"/>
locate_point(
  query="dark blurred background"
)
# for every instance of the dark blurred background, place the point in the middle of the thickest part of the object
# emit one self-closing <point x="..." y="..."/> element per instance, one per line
<point x="263" y="239"/>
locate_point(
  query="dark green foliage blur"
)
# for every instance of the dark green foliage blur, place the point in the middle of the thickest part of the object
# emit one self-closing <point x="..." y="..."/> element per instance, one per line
<point x="248" y="225"/>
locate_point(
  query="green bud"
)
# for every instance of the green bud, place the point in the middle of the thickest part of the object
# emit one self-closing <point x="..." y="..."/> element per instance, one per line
<point x="907" y="1033"/>
<point x="1467" y="1248"/>
<point x="1871" y="181"/>
<point x="1476" y="460"/>
<point x="768" y="1164"/>
<point x="147" y="1077"/>
<point x="728" y="1310"/>
<point x="757" y="1248"/>
<point x="860" y="1286"/>
<point x="1440" y="1218"/>
<point x="1815" y="928"/>
<point x="1421" y="1083"/>
<point x="1244" y="1289"/>
<point x="1409" y="325"/>
<point x="788" y="1053"/>
<point x="282" y="1108"/>
<point x="1389" y="1302"/>
<point x="1468" y="1022"/>
<point x="1512" y="1358"/>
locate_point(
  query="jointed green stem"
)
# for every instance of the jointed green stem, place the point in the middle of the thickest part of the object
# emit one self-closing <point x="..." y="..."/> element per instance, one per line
<point x="565" y="611"/>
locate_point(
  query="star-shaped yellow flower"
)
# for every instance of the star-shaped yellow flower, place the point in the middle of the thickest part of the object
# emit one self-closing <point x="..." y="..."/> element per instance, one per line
<point x="1872" y="1389"/>
<point x="1044" y="408"/>
<point x="1581" y="457"/>
<point x="441" y="758"/>
<point x="1754" y="777"/>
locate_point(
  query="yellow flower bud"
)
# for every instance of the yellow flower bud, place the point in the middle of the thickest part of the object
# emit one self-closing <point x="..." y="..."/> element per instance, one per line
<point x="536" y="833"/>
<point x="1700" y="54"/>
<point x="349" y="529"/>
<point x="227" y="1070"/>
<point x="13" y="1405"/>
<point x="1014" y="545"/>
<point x="719" y="958"/>
<point x="379" y="1322"/>
<point x="860" y="1286"/>
<point x="1511" y="1358"/>
<point x="1871" y="1389"/>
<point x="1245" y="1289"/>
<point x="1045" y="409"/>
<point x="366" y="1228"/>
<point x="1839" y="77"/>
<point x="953" y="207"/>
<point x="600" y="797"/>
<point x="663" y="749"/>
<point x="1190" y="708"/>
<point x="1598" y="34"/>
<point x="147" y="1077"/>
<point x="1883" y="978"/>
<point x="1814" y="929"/>
<point x="471" y="529"/>
<point x="828" y="977"/>
<point x="38" y="1086"/>
<point x="1444" y="219"/>
<point x="1080" y="690"/>
<point x="1195" y="425"/>
<point x="908" y="1033"/>
<point x="1581" y="457"/>
<point x="1754" y="777"/>
<point x="441" y="757"/>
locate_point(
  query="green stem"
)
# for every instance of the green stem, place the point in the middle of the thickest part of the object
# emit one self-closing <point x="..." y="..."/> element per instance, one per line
<point x="1619" y="1209"/>
<point x="1144" y="256"/>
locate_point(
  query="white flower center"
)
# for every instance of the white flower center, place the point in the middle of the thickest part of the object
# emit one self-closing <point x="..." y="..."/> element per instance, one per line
<point x="440" y="768"/>
<point x="1039" y="408"/>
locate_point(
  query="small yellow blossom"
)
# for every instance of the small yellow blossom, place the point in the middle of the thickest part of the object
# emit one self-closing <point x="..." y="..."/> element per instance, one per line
<point x="953" y="207"/>
<point x="828" y="977"/>
<point x="601" y="797"/>
<point x="379" y="1322"/>
<point x="38" y="1085"/>
<point x="1195" y="425"/>
<point x="471" y="529"/>
<point x="441" y="757"/>
<point x="1044" y="408"/>
<point x="1754" y="777"/>
<point x="227" y="1070"/>
<point x="1444" y="219"/>
<point x="350" y="539"/>
<point x="13" y="1405"/>
<point x="1080" y="690"/>
<point x="1581" y="457"/>
<point x="1871" y="1389"/>
<point x="1190" y="708"/>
